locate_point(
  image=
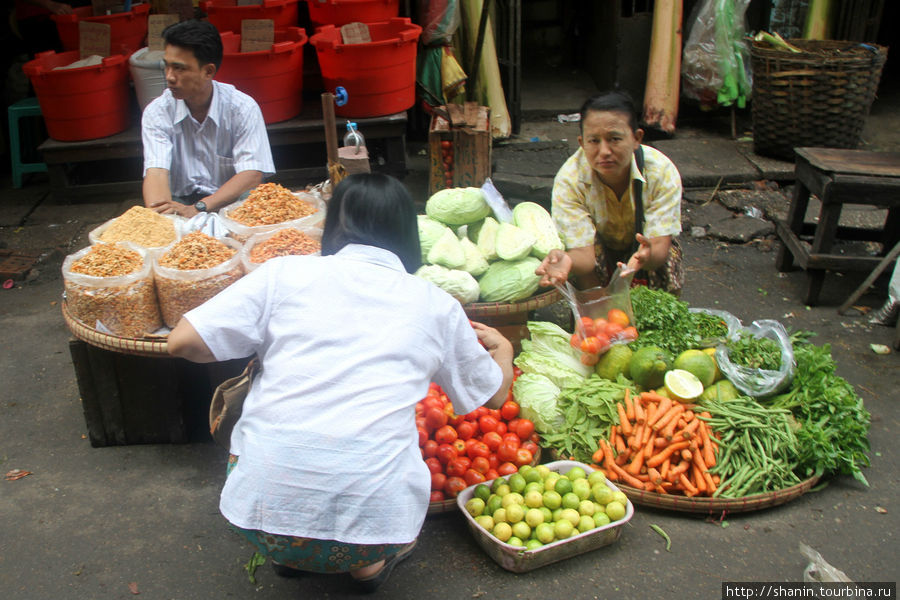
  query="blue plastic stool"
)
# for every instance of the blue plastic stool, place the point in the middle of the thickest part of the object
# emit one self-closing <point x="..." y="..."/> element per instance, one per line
<point x="28" y="107"/>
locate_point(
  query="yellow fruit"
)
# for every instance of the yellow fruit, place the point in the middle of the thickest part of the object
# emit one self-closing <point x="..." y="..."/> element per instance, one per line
<point x="721" y="390"/>
<point x="698" y="363"/>
<point x="683" y="385"/>
<point x="712" y="354"/>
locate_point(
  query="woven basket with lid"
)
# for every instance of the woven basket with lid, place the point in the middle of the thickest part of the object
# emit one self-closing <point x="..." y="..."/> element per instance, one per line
<point x="819" y="97"/>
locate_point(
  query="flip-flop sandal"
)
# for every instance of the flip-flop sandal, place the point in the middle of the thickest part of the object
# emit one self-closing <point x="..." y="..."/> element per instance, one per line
<point x="370" y="584"/>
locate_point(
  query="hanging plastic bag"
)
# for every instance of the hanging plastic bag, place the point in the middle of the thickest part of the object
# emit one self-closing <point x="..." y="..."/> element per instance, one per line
<point x="760" y="382"/>
<point x="603" y="315"/>
<point x="731" y="322"/>
<point x="715" y="68"/>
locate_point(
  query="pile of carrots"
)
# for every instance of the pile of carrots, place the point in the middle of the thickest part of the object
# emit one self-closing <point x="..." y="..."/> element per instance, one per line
<point x="660" y="445"/>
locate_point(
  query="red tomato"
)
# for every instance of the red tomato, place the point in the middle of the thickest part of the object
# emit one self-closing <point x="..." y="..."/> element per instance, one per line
<point x="472" y="416"/>
<point x="509" y="410"/>
<point x="587" y="327"/>
<point x="618" y="316"/>
<point x="432" y="402"/>
<point x="524" y="429"/>
<point x="493" y="460"/>
<point x="434" y="465"/>
<point x="472" y="477"/>
<point x="423" y="436"/>
<point x="466" y="429"/>
<point x="458" y="466"/>
<point x="420" y="422"/>
<point x="535" y="438"/>
<point x="445" y="435"/>
<point x="459" y="445"/>
<point x="429" y="449"/>
<point x="435" y="418"/>
<point x="445" y="453"/>
<point x="630" y="334"/>
<point x="523" y="457"/>
<point x="512" y="423"/>
<point x="454" y="486"/>
<point x="591" y="345"/>
<point x="491" y="474"/>
<point x="507" y="468"/>
<point x="600" y="324"/>
<point x="438" y="481"/>
<point x="507" y="452"/>
<point x="437" y="496"/>
<point x="614" y="330"/>
<point x="487" y="423"/>
<point x="478" y="449"/>
<point x="420" y="408"/>
<point x="457" y="420"/>
<point x="603" y="340"/>
<point x="492" y="439"/>
<point x="494" y="412"/>
<point x="589" y="359"/>
<point x="501" y="427"/>
<point x="513" y="437"/>
<point x="575" y="340"/>
<point x="531" y="447"/>
<point x="481" y="464"/>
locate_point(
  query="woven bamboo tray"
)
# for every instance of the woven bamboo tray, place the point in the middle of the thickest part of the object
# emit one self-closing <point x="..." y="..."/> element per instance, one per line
<point x="704" y="505"/>
<point x="148" y="346"/>
<point x="493" y="309"/>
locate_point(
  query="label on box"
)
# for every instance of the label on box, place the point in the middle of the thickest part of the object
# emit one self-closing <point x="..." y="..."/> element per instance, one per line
<point x="155" y="26"/>
<point x="257" y="34"/>
<point x="183" y="8"/>
<point x="355" y="33"/>
<point x="93" y="39"/>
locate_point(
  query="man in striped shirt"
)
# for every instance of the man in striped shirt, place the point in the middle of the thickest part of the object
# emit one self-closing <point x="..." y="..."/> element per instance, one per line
<point x="205" y="142"/>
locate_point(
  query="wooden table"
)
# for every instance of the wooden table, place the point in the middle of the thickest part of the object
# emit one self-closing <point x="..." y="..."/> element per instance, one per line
<point x="387" y="133"/>
<point x="838" y="177"/>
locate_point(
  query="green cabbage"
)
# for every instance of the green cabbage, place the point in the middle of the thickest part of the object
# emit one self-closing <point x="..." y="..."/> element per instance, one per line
<point x="475" y="264"/>
<point x="535" y="219"/>
<point x="510" y="281"/>
<point x="484" y="234"/>
<point x="457" y="206"/>
<point x="513" y="243"/>
<point x="447" y="251"/>
<point x="549" y="353"/>
<point x="537" y="397"/>
<point x="458" y="284"/>
<point x="430" y="231"/>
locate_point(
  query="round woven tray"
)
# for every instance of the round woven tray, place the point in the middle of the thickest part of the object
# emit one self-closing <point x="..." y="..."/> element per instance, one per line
<point x="704" y="505"/>
<point x="137" y="346"/>
<point x="491" y="309"/>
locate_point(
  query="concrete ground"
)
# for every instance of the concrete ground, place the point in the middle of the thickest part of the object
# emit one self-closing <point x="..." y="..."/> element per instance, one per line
<point x="109" y="523"/>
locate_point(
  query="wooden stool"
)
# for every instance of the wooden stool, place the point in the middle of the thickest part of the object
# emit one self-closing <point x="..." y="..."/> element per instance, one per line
<point x="838" y="176"/>
<point x="27" y="107"/>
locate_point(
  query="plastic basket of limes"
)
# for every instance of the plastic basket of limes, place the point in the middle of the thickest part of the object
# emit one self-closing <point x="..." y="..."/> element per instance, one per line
<point x="544" y="514"/>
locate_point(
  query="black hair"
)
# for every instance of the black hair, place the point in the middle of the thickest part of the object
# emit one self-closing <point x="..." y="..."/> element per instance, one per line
<point x="200" y="37"/>
<point x="614" y="101"/>
<point x="373" y="209"/>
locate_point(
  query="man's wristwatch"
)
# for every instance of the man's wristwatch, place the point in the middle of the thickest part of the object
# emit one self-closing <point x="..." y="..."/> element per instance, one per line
<point x="200" y="205"/>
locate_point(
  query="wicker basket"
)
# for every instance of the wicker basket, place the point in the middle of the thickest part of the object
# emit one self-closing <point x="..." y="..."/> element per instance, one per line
<point x="820" y="97"/>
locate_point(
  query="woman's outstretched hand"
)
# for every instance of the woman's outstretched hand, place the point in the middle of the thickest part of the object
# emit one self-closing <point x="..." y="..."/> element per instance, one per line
<point x="554" y="269"/>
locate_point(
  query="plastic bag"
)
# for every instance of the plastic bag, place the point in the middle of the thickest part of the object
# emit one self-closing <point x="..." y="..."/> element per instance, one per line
<point x="313" y="232"/>
<point x="818" y="570"/>
<point x="181" y="290"/>
<point x="760" y="382"/>
<point x="242" y="232"/>
<point x="177" y="221"/>
<point x="733" y="323"/>
<point x="593" y="323"/>
<point x="715" y="62"/>
<point x="124" y="305"/>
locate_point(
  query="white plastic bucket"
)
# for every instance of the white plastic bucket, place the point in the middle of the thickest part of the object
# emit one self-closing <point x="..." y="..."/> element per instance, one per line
<point x="149" y="75"/>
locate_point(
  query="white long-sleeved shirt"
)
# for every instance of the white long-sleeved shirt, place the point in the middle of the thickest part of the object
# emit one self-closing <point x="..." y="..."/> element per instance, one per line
<point x="200" y="157"/>
<point x="327" y="437"/>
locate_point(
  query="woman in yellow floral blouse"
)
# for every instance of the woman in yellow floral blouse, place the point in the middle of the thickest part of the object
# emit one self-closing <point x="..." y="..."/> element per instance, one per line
<point x="593" y="205"/>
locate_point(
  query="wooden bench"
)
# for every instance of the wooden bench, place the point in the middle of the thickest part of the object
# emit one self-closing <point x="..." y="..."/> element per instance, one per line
<point x="838" y="177"/>
<point x="386" y="134"/>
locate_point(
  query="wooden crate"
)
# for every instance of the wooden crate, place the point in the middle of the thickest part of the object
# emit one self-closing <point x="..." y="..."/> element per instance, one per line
<point x="459" y="141"/>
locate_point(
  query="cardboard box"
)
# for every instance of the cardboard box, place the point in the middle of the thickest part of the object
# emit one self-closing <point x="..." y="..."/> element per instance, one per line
<point x="459" y="141"/>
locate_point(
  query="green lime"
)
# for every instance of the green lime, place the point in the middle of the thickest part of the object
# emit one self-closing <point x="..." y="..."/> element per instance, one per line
<point x="482" y="491"/>
<point x="614" y="362"/>
<point x="575" y="473"/>
<point x="517" y="482"/>
<point x="533" y="544"/>
<point x="648" y="366"/>
<point x="562" y="486"/>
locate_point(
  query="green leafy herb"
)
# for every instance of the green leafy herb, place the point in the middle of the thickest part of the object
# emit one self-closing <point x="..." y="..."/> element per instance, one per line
<point x="755" y="352"/>
<point x="709" y="326"/>
<point x="662" y="320"/>
<point x="834" y="424"/>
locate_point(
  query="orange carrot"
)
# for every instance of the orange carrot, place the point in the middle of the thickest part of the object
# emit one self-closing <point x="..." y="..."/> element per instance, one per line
<point x="648" y="435"/>
<point x="649" y="446"/>
<point x="710" y="484"/>
<point x="689" y="487"/>
<point x="662" y="408"/>
<point x="686" y="454"/>
<point x="709" y="455"/>
<point x="660" y="442"/>
<point x="613" y="434"/>
<point x="655" y="476"/>
<point x="664" y="469"/>
<point x="620" y="444"/>
<point x="624" y="423"/>
<point x="668" y="431"/>
<point x="659" y="457"/>
<point x="628" y="478"/>
<point x="607" y="454"/>
<point x="634" y="467"/>
<point x="621" y="459"/>
<point x="688" y="415"/>
<point x="629" y="405"/>
<point x="677" y="470"/>
<point x="639" y="416"/>
<point x="649" y="414"/>
<point x="697" y="480"/>
<point x="668" y="416"/>
<point x="688" y="431"/>
<point x="634" y="441"/>
<point x="651" y="396"/>
<point x="597" y="456"/>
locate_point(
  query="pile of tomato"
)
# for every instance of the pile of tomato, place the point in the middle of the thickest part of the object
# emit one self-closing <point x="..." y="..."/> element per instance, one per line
<point x="595" y="336"/>
<point x="463" y="450"/>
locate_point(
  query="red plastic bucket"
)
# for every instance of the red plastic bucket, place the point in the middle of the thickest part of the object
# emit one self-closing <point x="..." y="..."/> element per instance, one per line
<point x="127" y="30"/>
<point x="341" y="12"/>
<point x="379" y="76"/>
<point x="83" y="103"/>
<point x="274" y="78"/>
<point x="225" y="15"/>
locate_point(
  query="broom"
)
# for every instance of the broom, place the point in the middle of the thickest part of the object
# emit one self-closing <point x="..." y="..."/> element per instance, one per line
<point x="336" y="171"/>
